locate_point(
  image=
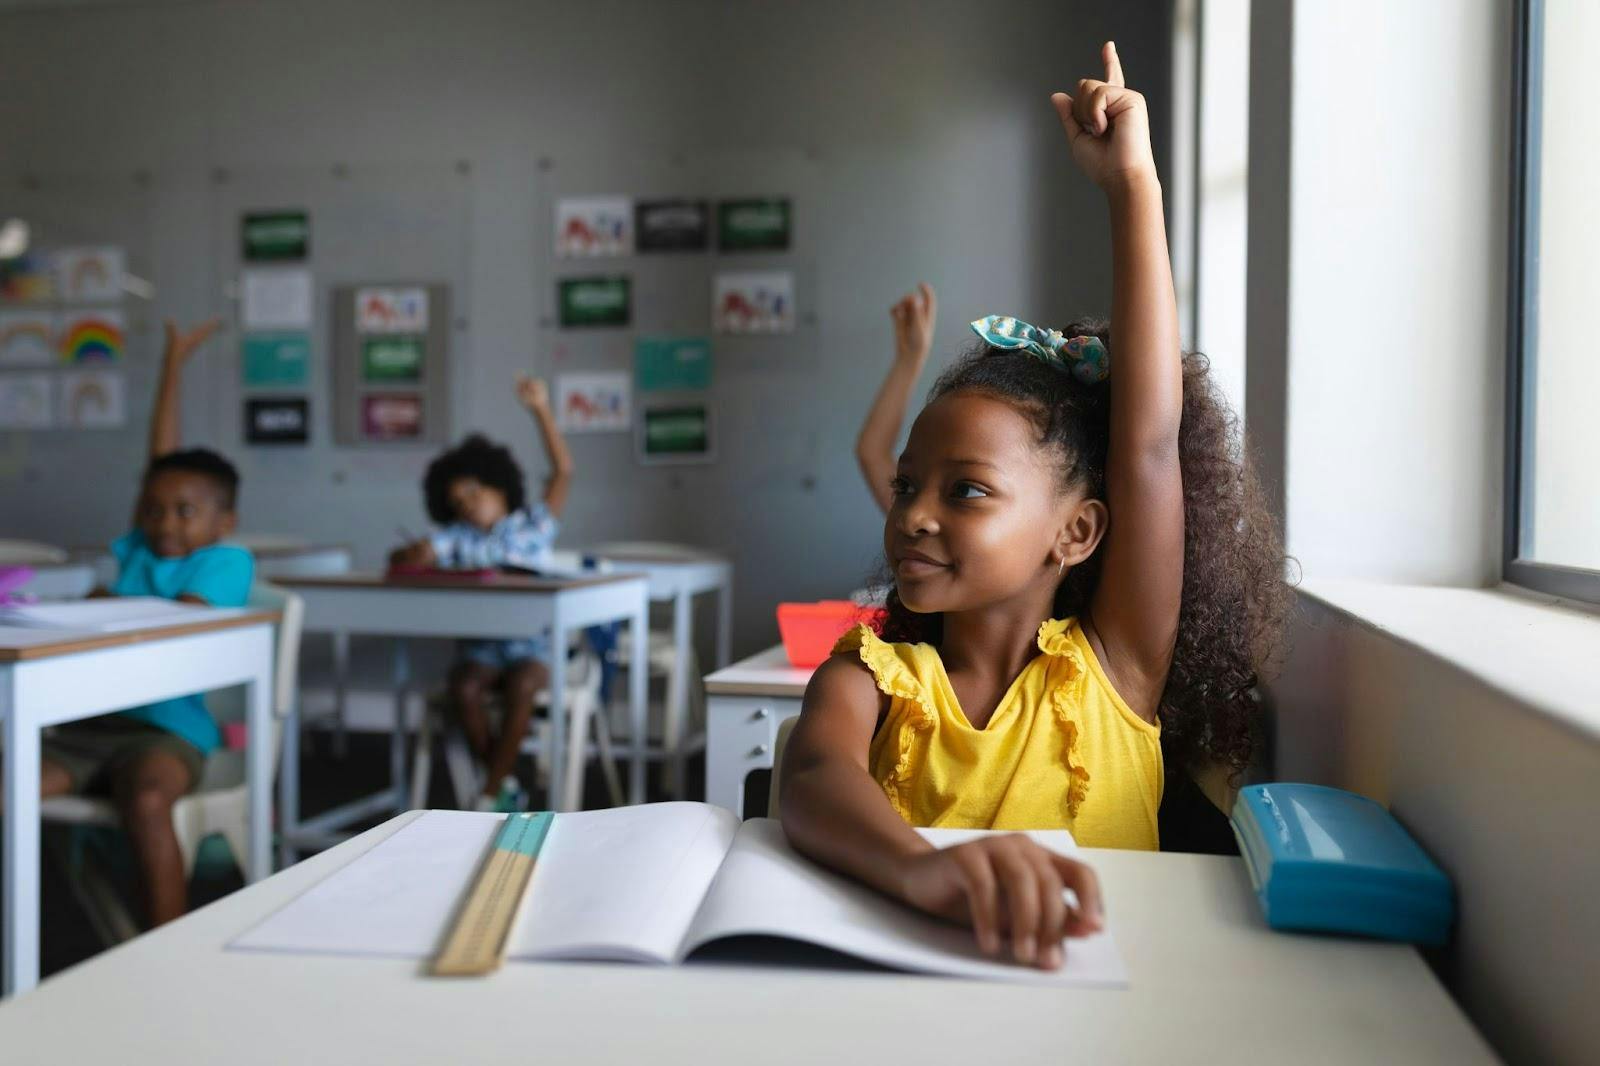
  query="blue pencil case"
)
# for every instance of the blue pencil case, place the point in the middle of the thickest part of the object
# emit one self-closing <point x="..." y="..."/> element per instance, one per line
<point x="1325" y="860"/>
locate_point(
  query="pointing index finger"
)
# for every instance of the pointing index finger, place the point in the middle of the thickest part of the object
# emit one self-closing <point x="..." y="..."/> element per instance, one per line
<point x="1113" y="64"/>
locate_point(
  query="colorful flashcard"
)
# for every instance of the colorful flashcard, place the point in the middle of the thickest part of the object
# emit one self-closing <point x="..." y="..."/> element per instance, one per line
<point x="91" y="337"/>
<point x="391" y="416"/>
<point x="392" y="358"/>
<point x="594" y="225"/>
<point x="90" y="275"/>
<point x="25" y="401"/>
<point x="595" y="402"/>
<point x="392" y="310"/>
<point x="93" y="399"/>
<point x="753" y="225"/>
<point x="277" y="420"/>
<point x="274" y="359"/>
<point x="28" y="278"/>
<point x="679" y="433"/>
<point x="27" y="338"/>
<point x="275" y="299"/>
<point x="753" y="303"/>
<point x="672" y="225"/>
<point x="595" y="302"/>
<point x="275" y="236"/>
<point x="669" y="364"/>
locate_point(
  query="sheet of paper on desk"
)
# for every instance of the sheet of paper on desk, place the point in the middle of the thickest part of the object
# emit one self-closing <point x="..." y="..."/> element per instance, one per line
<point x="112" y="614"/>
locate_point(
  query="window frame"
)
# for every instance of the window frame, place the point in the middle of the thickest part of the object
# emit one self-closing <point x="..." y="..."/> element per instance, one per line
<point x="1522" y="288"/>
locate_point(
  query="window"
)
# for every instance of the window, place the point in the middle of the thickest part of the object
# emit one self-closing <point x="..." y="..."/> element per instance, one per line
<point x="1552" y="532"/>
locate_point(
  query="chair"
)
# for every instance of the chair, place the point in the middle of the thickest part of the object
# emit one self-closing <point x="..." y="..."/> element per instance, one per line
<point x="257" y="542"/>
<point x="30" y="553"/>
<point x="584" y="714"/>
<point x="219" y="804"/>
<point x="782" y="741"/>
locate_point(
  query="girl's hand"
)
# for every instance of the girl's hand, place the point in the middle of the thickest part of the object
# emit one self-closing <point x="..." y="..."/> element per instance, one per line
<point x="1007" y="886"/>
<point x="533" y="393"/>
<point x="913" y="324"/>
<point x="180" y="346"/>
<point x="1107" y="126"/>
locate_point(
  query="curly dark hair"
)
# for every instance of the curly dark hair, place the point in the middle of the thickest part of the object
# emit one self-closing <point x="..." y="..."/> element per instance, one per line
<point x="1235" y="594"/>
<point x="204" y="462"/>
<point x="476" y="457"/>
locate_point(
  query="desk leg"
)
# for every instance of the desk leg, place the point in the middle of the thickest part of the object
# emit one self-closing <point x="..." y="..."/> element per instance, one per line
<point x="341" y="689"/>
<point x="397" y="739"/>
<point x="638" y="693"/>
<point x="258" y="766"/>
<point x="289" y="788"/>
<point x="19" y="812"/>
<point x="558" y="716"/>
<point x="725" y="623"/>
<point x="677" y="710"/>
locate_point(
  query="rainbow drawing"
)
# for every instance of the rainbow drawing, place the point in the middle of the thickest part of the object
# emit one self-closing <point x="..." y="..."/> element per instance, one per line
<point x="92" y="338"/>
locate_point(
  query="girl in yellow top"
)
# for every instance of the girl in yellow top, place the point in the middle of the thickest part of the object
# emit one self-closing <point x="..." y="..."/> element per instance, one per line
<point x="1085" y="581"/>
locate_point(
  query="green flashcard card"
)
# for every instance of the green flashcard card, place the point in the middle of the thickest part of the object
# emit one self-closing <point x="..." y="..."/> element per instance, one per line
<point x="595" y="301"/>
<point x="275" y="358"/>
<point x="671" y="364"/>
<point x="391" y="358"/>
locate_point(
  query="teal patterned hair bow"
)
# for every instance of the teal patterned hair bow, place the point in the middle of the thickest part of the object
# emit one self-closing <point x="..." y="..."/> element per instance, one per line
<point x="1085" y="357"/>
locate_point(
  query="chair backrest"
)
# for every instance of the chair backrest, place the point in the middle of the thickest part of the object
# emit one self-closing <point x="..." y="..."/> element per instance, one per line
<point x="30" y="552"/>
<point x="268" y="541"/>
<point x="784" y="729"/>
<point x="286" y="661"/>
<point x="651" y="550"/>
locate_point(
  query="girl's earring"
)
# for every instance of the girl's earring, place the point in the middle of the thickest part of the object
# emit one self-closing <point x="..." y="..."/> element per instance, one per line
<point x="1062" y="565"/>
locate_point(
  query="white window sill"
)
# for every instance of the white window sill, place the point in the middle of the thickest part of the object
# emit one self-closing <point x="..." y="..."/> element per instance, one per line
<point x="1536" y="649"/>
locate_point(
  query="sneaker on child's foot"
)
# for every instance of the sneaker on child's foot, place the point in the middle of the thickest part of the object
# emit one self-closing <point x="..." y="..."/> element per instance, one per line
<point x="512" y="799"/>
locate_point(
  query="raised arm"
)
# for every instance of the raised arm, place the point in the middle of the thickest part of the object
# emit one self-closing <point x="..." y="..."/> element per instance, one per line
<point x="535" y="396"/>
<point x="164" y="435"/>
<point x="1134" y="612"/>
<point x="913" y="338"/>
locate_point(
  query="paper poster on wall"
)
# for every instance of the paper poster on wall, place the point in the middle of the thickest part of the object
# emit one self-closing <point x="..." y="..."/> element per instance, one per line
<point x="90" y="275"/>
<point x="27" y="338"/>
<point x="672" y="225"/>
<point x="594" y="225"/>
<point x="594" y="402"/>
<point x="275" y="299"/>
<point x="753" y="303"/>
<point x="396" y="358"/>
<point x="680" y="433"/>
<point x="392" y="310"/>
<point x="93" y="399"/>
<point x="274" y="236"/>
<point x="274" y="358"/>
<point x="277" y="420"/>
<point x="91" y="337"/>
<point x="392" y="416"/>
<point x="25" y="401"/>
<point x="667" y="364"/>
<point x="27" y="279"/>
<point x="595" y="302"/>
<point x="753" y="225"/>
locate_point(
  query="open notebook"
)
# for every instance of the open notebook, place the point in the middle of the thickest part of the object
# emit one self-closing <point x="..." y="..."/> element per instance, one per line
<point x="112" y="614"/>
<point x="642" y="884"/>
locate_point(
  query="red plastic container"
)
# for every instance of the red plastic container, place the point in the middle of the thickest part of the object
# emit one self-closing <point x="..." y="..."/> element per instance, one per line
<point x="811" y="629"/>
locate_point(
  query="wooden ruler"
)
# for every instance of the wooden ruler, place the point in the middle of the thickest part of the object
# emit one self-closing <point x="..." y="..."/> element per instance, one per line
<point x="477" y="941"/>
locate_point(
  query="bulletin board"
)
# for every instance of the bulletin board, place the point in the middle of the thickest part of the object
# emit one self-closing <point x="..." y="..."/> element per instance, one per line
<point x="391" y="363"/>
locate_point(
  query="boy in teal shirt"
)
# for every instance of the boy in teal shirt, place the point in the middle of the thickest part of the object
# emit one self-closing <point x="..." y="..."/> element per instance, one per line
<point x="147" y="757"/>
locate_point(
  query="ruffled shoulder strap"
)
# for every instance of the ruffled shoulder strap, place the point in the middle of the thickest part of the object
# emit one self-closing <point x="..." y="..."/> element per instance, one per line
<point x="1061" y="640"/>
<point x="891" y="667"/>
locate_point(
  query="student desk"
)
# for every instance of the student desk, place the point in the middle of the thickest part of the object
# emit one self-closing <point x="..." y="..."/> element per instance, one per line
<point x="745" y="704"/>
<point x="505" y="607"/>
<point x="50" y="676"/>
<point x="1206" y="976"/>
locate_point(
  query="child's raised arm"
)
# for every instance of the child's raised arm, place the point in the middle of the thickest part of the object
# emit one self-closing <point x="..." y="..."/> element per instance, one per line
<point x="164" y="435"/>
<point x="913" y="338"/>
<point x="535" y="396"/>
<point x="1134" y="612"/>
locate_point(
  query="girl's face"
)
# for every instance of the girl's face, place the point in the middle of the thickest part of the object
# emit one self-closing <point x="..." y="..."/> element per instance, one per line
<point x="979" y="517"/>
<point x="475" y="503"/>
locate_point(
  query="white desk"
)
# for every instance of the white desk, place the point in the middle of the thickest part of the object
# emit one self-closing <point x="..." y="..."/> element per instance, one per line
<point x="52" y="676"/>
<point x="502" y="608"/>
<point x="745" y="704"/>
<point x="1208" y="983"/>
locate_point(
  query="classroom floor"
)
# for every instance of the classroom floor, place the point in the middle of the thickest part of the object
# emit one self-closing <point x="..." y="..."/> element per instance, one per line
<point x="67" y="938"/>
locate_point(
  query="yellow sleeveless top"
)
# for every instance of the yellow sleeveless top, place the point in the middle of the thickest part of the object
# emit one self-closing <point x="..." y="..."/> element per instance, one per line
<point x="1061" y="751"/>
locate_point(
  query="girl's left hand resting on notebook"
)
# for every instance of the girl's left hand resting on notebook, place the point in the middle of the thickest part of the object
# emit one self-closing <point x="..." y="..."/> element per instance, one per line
<point x="1007" y="886"/>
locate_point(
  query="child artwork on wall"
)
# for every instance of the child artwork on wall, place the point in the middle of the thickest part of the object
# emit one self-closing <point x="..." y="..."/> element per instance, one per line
<point x="594" y="226"/>
<point x="594" y="402"/>
<point x="27" y="279"/>
<point x="27" y="338"/>
<point x="391" y="416"/>
<point x="25" y="401"/>
<point x="91" y="337"/>
<point x="753" y="303"/>
<point x="90" y="275"/>
<point x="392" y="310"/>
<point x="93" y="399"/>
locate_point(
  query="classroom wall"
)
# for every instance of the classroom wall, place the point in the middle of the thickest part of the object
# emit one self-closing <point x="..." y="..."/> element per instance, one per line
<point x="926" y="149"/>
